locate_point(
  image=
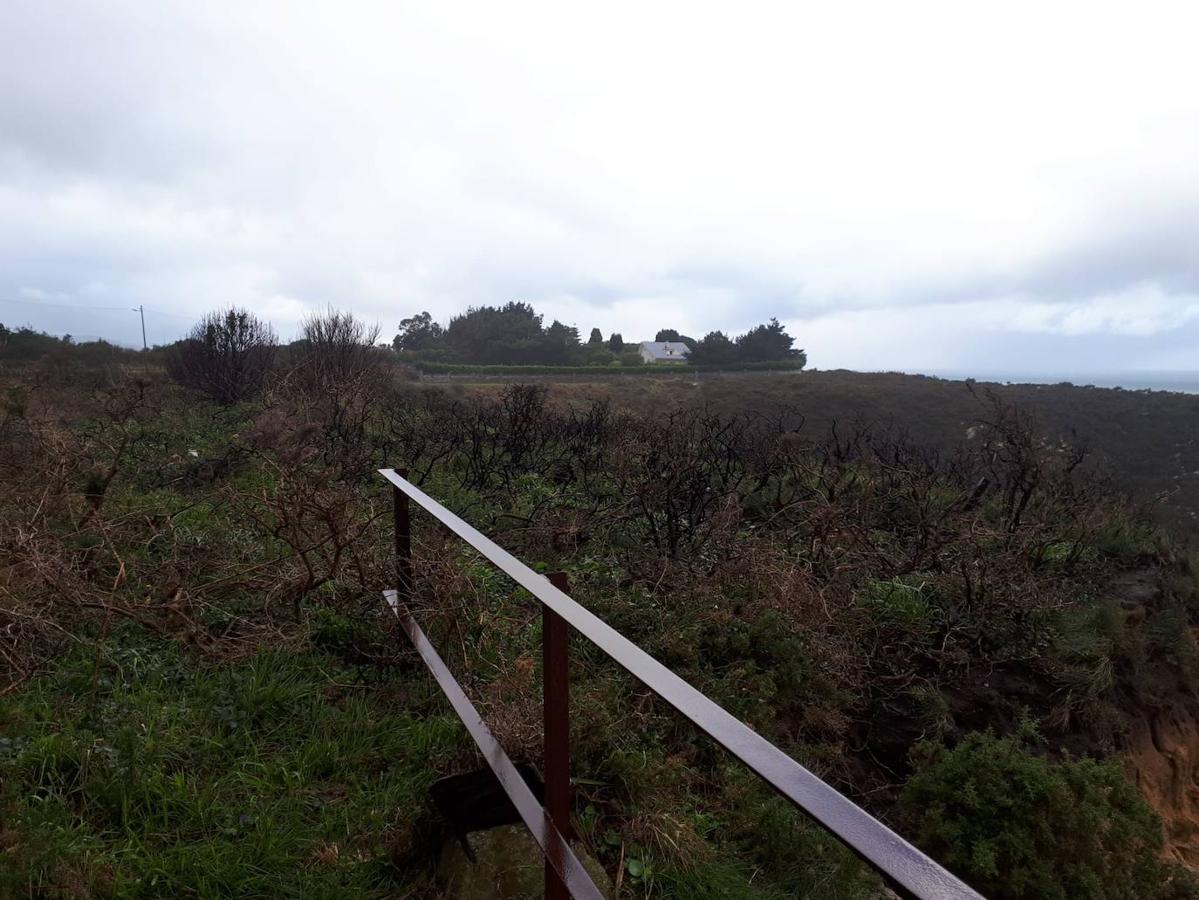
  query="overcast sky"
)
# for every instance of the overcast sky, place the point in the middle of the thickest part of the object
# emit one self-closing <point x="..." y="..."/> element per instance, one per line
<point x="992" y="187"/>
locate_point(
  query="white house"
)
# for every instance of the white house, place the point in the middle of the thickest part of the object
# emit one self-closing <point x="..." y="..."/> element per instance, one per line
<point x="663" y="351"/>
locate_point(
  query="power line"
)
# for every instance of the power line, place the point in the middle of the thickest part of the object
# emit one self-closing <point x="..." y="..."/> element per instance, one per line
<point x="107" y="326"/>
<point x="40" y="303"/>
<point x="51" y="305"/>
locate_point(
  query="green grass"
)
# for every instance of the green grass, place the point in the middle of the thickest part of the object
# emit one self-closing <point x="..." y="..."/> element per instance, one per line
<point x="153" y="775"/>
<point x="136" y="770"/>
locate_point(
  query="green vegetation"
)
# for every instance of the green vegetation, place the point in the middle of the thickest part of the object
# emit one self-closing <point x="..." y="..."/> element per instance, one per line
<point x="131" y="770"/>
<point x="1019" y="825"/>
<point x="670" y="334"/>
<point x="24" y="345"/>
<point x="627" y="359"/>
<point x="763" y="343"/>
<point x="201" y="694"/>
<point x="513" y="337"/>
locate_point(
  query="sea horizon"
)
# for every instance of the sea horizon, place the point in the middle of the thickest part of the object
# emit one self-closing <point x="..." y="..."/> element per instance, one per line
<point x="1142" y="380"/>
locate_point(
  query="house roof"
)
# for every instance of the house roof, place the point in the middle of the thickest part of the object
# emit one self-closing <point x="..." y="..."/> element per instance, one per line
<point x="665" y="349"/>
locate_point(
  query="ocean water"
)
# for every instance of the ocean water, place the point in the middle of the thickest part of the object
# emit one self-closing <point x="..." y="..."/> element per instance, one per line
<point x="1180" y="382"/>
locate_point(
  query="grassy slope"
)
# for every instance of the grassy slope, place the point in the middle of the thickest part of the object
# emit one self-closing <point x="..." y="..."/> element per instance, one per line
<point x="134" y="769"/>
<point x="138" y="771"/>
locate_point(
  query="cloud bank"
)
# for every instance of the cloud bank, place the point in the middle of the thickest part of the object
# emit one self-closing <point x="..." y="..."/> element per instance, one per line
<point x="917" y="186"/>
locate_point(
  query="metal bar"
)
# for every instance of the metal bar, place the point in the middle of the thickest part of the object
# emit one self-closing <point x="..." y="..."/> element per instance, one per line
<point x="902" y="864"/>
<point x="555" y="690"/>
<point x="403" y="538"/>
<point x="558" y="853"/>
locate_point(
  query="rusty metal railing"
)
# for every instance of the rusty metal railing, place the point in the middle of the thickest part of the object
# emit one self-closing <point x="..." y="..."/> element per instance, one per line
<point x="905" y="869"/>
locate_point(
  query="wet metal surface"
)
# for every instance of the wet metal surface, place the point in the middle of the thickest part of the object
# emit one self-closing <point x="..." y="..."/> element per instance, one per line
<point x="403" y="538"/>
<point x="555" y="704"/>
<point x="557" y="851"/>
<point x="907" y="869"/>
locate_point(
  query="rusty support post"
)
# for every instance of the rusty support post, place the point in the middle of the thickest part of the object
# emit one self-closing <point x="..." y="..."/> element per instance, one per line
<point x="908" y="871"/>
<point x="403" y="539"/>
<point x="555" y="664"/>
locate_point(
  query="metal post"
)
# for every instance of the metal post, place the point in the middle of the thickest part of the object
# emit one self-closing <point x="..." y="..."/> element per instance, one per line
<point x="555" y="664"/>
<point x="403" y="539"/>
<point x="908" y="871"/>
<point x="141" y="311"/>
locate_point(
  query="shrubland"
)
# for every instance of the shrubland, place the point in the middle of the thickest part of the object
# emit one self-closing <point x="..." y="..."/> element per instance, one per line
<point x="202" y="695"/>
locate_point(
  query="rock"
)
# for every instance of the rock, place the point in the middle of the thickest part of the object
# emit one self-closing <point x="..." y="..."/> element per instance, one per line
<point x="509" y="866"/>
<point x="1163" y="762"/>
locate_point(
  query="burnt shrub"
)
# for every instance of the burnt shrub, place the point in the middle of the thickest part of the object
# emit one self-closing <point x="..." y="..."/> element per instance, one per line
<point x="228" y="355"/>
<point x="338" y="374"/>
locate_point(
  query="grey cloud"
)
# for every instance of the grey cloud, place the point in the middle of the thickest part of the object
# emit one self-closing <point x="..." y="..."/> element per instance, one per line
<point x="1161" y="247"/>
<point x="183" y="156"/>
<point x="1122" y="248"/>
<point x="93" y="90"/>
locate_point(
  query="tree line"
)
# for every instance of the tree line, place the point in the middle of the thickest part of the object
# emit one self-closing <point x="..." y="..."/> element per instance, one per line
<point x="514" y="334"/>
<point x="230" y="353"/>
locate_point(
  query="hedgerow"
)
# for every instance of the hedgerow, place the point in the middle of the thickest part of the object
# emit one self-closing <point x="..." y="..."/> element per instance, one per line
<point x="434" y="368"/>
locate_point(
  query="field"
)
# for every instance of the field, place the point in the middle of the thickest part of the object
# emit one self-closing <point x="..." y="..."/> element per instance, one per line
<point x="928" y="594"/>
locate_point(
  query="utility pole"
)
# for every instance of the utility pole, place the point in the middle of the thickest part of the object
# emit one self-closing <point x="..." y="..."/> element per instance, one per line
<point x="141" y="310"/>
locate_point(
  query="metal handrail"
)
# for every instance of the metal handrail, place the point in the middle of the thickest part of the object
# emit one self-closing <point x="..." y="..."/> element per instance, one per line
<point x="556" y="848"/>
<point x="904" y="867"/>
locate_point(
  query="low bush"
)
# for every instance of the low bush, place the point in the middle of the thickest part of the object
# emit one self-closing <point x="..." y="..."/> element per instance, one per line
<point x="1019" y="825"/>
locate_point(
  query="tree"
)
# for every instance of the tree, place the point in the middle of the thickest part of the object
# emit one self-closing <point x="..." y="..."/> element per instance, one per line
<point x="597" y="337"/>
<point x="491" y="335"/>
<point x="616" y="343"/>
<point x="669" y="334"/>
<point x="716" y="349"/>
<point x="597" y="354"/>
<point x="560" y="346"/>
<point x="766" y="343"/>
<point x="228" y="355"/>
<point x="418" y="332"/>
